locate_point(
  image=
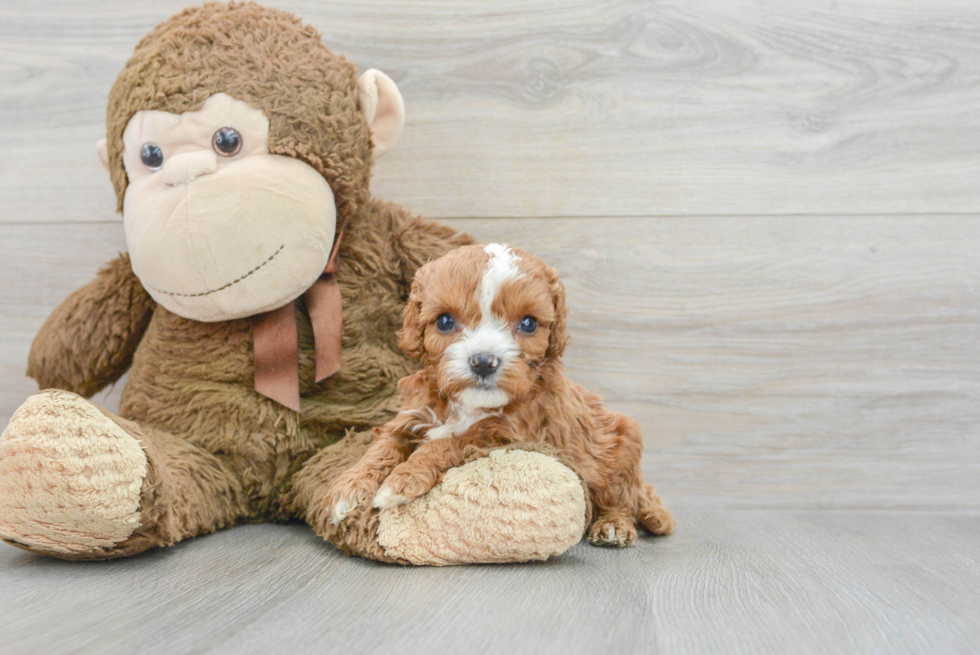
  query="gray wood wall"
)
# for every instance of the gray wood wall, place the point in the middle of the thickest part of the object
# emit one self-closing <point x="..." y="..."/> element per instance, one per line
<point x="765" y="213"/>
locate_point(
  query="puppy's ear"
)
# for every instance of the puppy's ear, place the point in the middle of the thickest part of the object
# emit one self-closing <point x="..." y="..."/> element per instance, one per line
<point x="410" y="337"/>
<point x="559" y="333"/>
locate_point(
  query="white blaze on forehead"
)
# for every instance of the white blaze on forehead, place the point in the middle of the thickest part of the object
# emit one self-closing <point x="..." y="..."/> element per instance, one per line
<point x="501" y="268"/>
<point x="491" y="335"/>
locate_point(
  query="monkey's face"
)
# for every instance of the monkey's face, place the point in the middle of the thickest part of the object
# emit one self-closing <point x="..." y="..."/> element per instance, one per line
<point x="237" y="143"/>
<point x="217" y="227"/>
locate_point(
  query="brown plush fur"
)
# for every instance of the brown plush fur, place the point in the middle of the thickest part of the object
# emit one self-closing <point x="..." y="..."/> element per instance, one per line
<point x="216" y="446"/>
<point x="268" y="59"/>
<point x="407" y="459"/>
<point x="219" y="453"/>
<point x="87" y="360"/>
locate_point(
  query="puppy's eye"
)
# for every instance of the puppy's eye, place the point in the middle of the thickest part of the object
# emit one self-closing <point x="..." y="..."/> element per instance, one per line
<point x="445" y="323"/>
<point x="227" y="141"/>
<point x="152" y="156"/>
<point x="528" y="325"/>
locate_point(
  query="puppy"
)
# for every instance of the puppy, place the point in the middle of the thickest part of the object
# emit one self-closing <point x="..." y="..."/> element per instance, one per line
<point x="488" y="324"/>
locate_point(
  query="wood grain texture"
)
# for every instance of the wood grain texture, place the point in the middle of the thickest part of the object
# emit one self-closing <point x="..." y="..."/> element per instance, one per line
<point x="772" y="362"/>
<point x="781" y="362"/>
<point x="743" y="581"/>
<point x="767" y="218"/>
<point x="584" y="108"/>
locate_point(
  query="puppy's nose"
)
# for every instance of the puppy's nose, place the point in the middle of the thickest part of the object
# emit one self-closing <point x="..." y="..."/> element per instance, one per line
<point x="484" y="364"/>
<point x="184" y="168"/>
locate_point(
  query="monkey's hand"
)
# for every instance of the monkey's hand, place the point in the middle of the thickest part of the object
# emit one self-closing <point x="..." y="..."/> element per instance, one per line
<point x="89" y="340"/>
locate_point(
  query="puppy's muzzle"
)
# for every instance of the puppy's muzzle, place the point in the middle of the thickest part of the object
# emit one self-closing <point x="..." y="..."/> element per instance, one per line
<point x="484" y="364"/>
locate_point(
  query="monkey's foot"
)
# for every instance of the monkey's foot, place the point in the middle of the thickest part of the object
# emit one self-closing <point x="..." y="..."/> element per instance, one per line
<point x="70" y="478"/>
<point x="513" y="505"/>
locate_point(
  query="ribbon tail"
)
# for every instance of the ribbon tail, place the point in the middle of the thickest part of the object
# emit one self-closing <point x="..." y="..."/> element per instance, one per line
<point x="324" y="305"/>
<point x="276" y="349"/>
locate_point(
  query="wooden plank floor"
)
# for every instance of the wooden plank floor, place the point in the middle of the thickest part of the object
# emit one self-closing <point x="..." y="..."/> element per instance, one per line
<point x="740" y="581"/>
<point x="767" y="218"/>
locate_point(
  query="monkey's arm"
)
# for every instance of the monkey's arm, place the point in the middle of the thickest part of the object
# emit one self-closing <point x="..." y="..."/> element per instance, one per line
<point x="89" y="340"/>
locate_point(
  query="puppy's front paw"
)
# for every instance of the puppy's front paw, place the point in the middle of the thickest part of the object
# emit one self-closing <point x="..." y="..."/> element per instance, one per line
<point x="352" y="491"/>
<point x="403" y="485"/>
<point x="386" y="498"/>
<point x="341" y="508"/>
<point x="613" y="531"/>
<point x="344" y="499"/>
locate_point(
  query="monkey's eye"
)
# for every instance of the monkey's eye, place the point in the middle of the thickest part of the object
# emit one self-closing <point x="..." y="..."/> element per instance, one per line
<point x="227" y="141"/>
<point x="528" y="325"/>
<point x="445" y="323"/>
<point x="152" y="156"/>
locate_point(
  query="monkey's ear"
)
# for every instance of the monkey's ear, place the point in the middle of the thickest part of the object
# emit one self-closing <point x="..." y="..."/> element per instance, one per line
<point x="381" y="103"/>
<point x="103" y="149"/>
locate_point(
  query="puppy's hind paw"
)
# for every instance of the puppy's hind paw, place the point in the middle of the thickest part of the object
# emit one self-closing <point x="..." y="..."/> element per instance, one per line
<point x="612" y="531"/>
<point x="386" y="498"/>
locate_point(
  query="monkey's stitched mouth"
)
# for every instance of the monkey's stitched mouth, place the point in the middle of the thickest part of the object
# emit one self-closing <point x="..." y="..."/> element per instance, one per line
<point x="223" y="287"/>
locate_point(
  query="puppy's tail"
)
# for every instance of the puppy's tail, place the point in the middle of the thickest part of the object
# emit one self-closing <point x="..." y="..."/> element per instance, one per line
<point x="652" y="514"/>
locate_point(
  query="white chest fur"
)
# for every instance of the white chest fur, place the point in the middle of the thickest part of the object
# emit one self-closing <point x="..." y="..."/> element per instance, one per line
<point x="460" y="420"/>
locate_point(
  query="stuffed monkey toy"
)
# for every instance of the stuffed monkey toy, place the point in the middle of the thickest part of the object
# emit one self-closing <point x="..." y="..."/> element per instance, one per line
<point x="256" y="312"/>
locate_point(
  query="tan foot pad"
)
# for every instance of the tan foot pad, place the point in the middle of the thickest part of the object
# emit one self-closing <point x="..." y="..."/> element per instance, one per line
<point x="70" y="478"/>
<point x="511" y="506"/>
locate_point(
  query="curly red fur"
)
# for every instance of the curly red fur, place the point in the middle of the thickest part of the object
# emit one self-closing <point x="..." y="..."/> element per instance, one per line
<point x="543" y="405"/>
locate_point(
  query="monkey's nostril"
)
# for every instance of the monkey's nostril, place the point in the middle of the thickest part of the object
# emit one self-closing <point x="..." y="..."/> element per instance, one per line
<point x="484" y="364"/>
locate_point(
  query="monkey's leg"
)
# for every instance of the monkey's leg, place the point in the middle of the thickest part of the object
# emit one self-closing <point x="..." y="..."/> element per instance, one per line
<point x="77" y="482"/>
<point x="514" y="504"/>
<point x="311" y="498"/>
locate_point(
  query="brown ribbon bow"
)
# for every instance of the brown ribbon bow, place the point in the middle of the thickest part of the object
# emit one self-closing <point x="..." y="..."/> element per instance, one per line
<point x="276" y="339"/>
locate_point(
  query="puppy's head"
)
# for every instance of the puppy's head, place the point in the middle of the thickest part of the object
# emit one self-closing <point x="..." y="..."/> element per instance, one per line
<point x="484" y="320"/>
